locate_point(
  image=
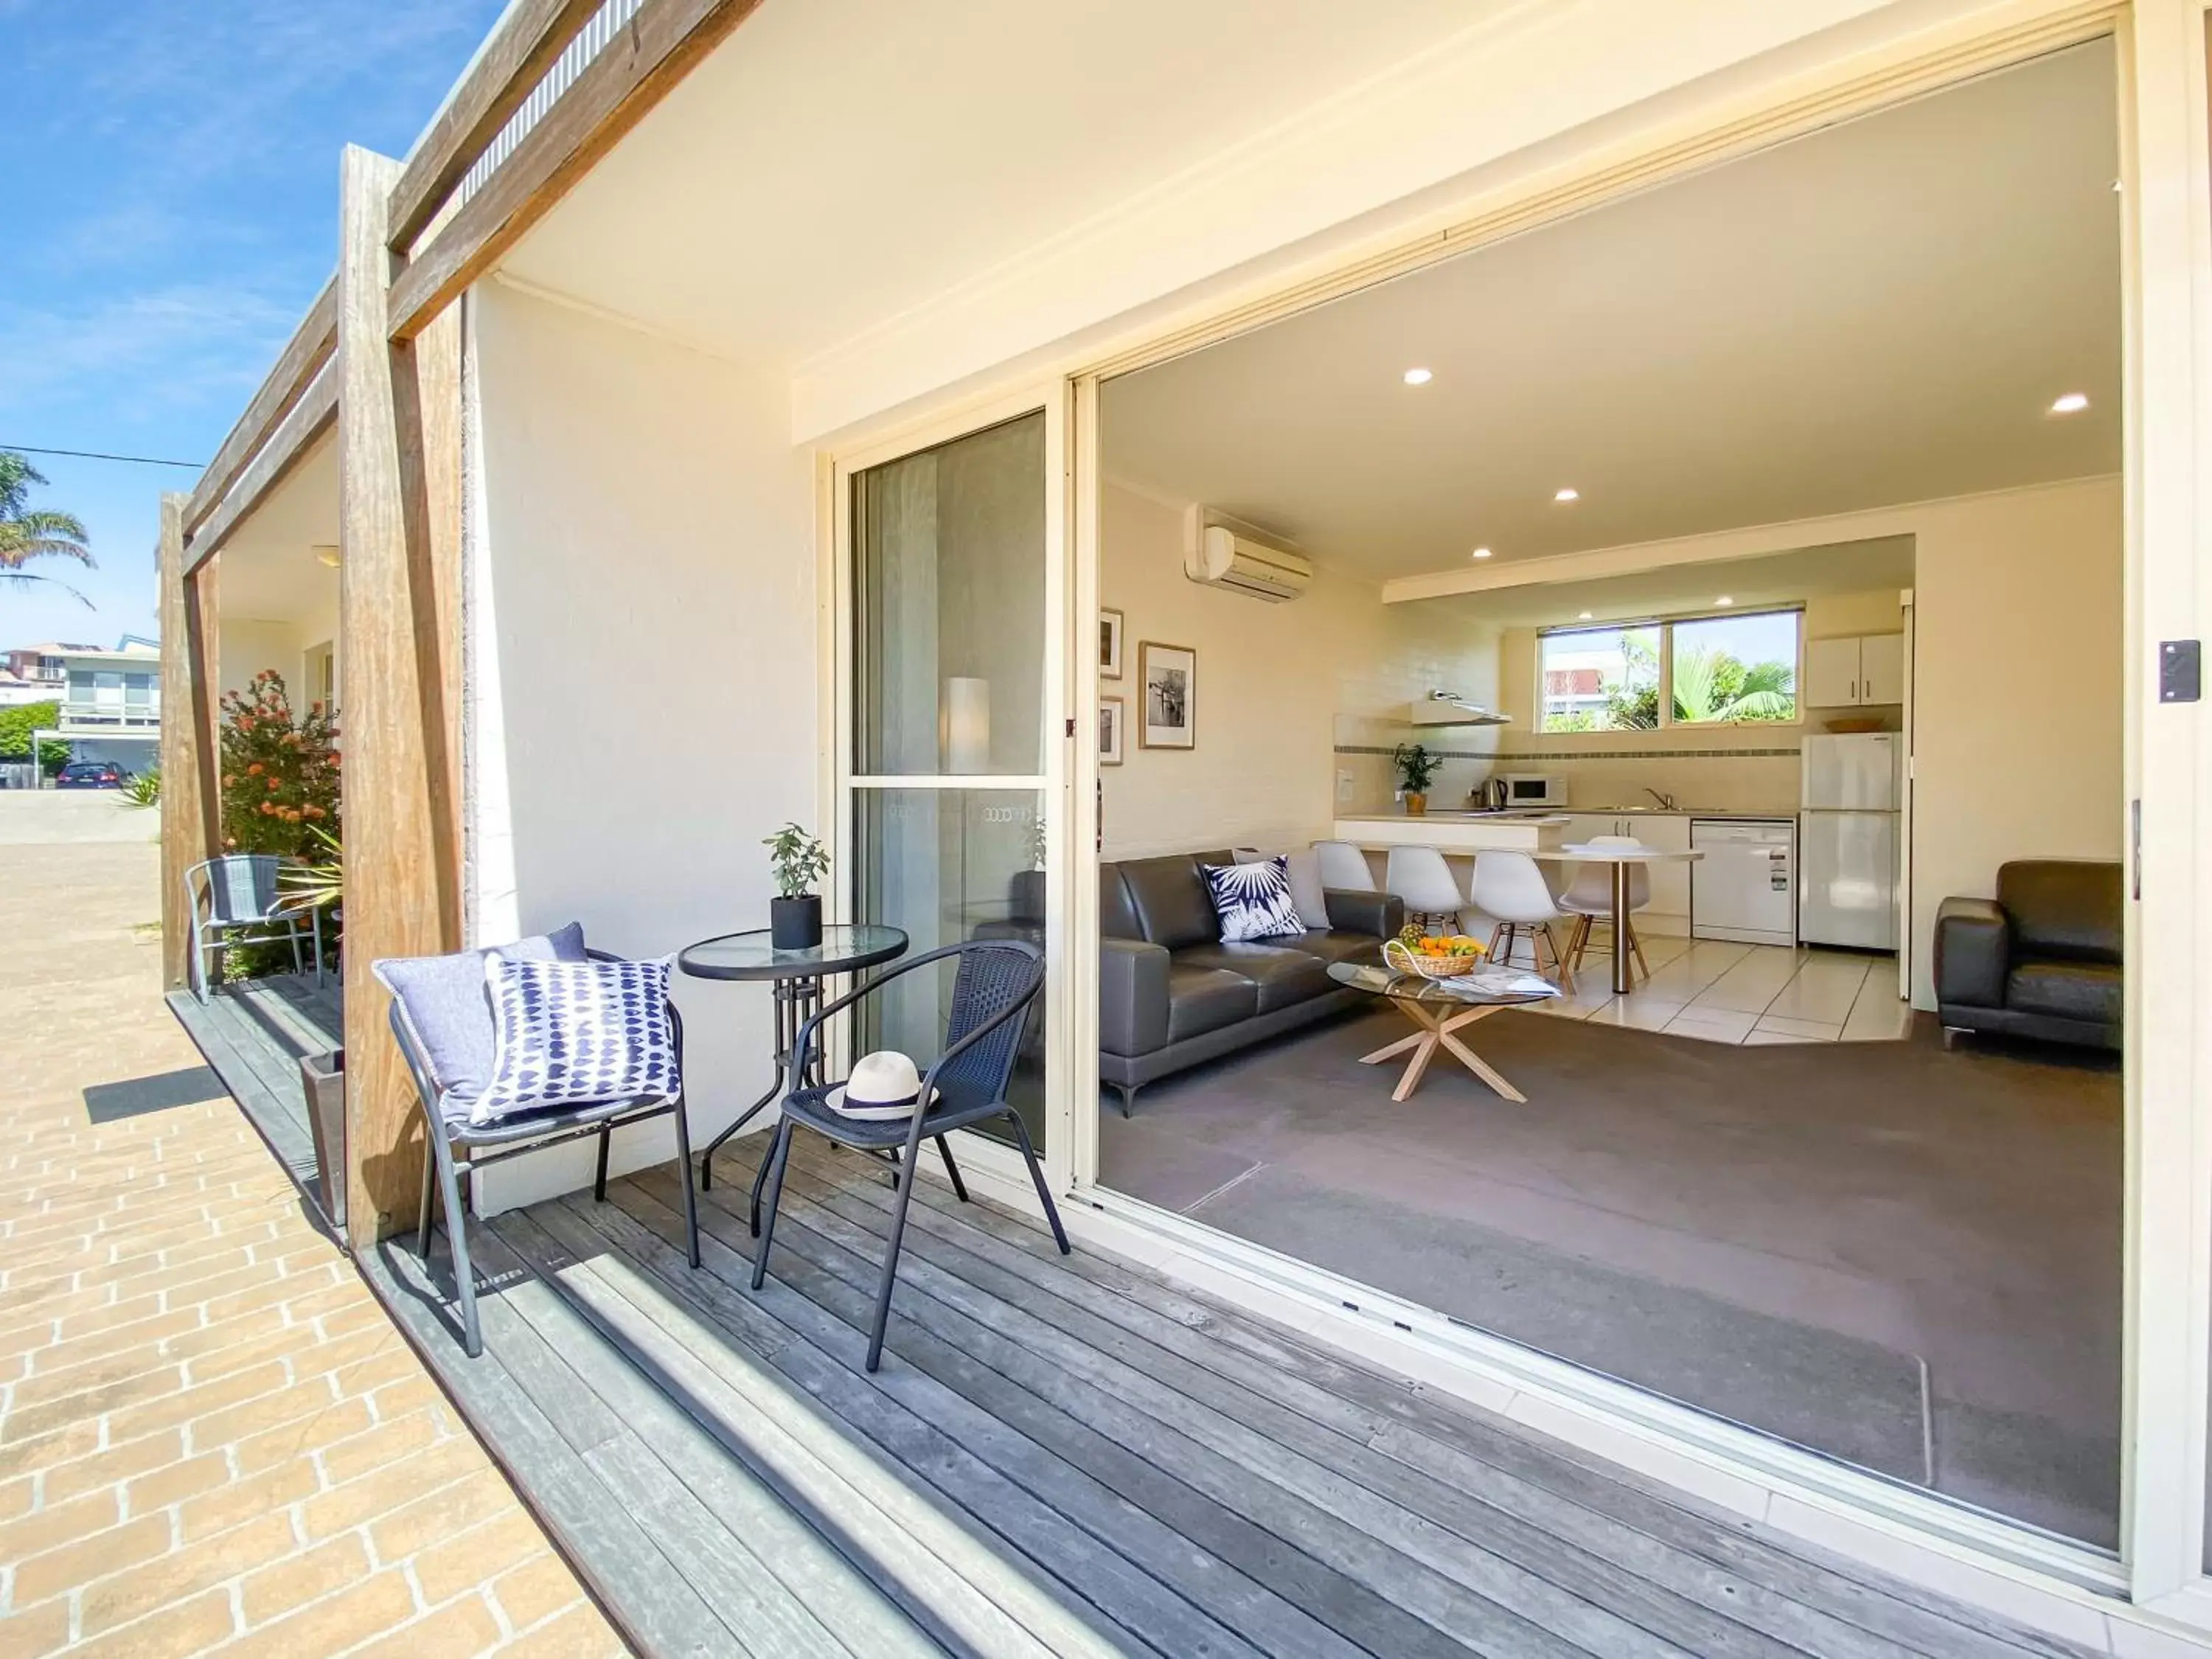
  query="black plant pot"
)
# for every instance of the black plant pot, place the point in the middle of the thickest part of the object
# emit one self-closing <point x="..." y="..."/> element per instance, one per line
<point x="795" y="924"/>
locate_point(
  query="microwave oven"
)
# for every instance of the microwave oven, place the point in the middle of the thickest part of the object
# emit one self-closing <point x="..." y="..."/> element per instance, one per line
<point x="1533" y="789"/>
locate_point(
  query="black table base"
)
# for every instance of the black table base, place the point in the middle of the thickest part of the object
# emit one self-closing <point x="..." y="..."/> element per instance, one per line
<point x="797" y="1002"/>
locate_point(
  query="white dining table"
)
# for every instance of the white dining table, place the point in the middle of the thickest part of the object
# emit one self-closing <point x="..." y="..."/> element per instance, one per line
<point x="1621" y="858"/>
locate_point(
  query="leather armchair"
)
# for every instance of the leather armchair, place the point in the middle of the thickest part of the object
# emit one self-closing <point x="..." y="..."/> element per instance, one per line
<point x="2041" y="960"/>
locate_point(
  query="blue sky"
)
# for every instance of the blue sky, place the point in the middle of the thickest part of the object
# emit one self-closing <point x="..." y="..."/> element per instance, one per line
<point x="173" y="193"/>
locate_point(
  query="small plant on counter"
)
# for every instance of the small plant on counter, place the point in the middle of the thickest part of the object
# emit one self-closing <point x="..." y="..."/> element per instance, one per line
<point x="1417" y="771"/>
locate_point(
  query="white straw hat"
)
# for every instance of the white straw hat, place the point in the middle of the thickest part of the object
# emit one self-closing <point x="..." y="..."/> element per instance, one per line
<point x="884" y="1084"/>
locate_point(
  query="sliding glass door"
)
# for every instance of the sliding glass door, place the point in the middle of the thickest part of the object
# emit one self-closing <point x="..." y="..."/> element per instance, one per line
<point x="948" y="713"/>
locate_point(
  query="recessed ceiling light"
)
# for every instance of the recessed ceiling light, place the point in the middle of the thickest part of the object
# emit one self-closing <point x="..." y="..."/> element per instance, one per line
<point x="1481" y="553"/>
<point x="1568" y="495"/>
<point x="1419" y="377"/>
<point x="1724" y="600"/>
<point x="1582" y="615"/>
<point x="2072" y="404"/>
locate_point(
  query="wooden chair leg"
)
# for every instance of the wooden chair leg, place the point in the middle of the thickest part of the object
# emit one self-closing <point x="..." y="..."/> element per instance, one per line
<point x="1559" y="962"/>
<point x="1635" y="946"/>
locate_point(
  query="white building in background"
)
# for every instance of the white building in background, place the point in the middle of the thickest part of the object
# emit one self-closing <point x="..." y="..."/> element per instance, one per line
<point x="109" y="700"/>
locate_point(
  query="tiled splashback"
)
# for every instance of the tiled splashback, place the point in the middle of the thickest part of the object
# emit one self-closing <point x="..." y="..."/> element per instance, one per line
<point x="1763" y="779"/>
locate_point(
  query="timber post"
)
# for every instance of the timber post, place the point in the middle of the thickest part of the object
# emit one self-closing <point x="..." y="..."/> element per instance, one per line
<point x="190" y="809"/>
<point x="399" y="466"/>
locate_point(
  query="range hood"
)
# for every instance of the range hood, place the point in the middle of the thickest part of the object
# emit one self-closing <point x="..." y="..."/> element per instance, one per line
<point x="1450" y="709"/>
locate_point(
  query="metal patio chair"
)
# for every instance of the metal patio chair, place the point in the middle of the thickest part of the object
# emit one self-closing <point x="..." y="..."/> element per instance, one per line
<point x="965" y="1084"/>
<point x="241" y="895"/>
<point x="457" y="1146"/>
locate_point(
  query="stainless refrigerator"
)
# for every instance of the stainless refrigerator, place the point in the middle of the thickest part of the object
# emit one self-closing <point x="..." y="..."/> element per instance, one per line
<point x="1847" y="840"/>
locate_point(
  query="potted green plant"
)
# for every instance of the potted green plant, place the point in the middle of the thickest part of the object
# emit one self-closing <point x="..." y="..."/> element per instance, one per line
<point x="795" y="915"/>
<point x="1417" y="771"/>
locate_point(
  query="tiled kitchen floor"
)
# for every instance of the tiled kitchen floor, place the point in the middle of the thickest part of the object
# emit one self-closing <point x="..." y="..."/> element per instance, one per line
<point x="1744" y="993"/>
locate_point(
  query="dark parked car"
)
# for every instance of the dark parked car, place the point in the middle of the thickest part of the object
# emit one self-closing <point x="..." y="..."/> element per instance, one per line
<point x="91" y="775"/>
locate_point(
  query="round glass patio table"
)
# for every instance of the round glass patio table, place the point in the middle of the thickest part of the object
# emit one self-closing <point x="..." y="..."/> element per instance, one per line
<point x="797" y="977"/>
<point x="1441" y="1008"/>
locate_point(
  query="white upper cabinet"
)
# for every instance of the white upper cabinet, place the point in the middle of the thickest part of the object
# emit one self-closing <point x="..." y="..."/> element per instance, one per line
<point x="1865" y="668"/>
<point x="1832" y="673"/>
<point x="1881" y="668"/>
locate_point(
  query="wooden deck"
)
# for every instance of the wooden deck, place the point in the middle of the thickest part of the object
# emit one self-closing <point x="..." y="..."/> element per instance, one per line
<point x="253" y="1033"/>
<point x="1068" y="1457"/>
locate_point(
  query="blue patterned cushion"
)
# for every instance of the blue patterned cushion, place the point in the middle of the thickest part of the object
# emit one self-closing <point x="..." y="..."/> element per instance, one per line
<point x="577" y="1034"/>
<point x="441" y="1001"/>
<point x="1253" y="899"/>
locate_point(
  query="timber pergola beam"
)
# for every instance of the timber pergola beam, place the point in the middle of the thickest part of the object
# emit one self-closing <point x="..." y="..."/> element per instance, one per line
<point x="297" y="367"/>
<point x="190" y="808"/>
<point x="530" y="38"/>
<point x="655" y="50"/>
<point x="306" y="421"/>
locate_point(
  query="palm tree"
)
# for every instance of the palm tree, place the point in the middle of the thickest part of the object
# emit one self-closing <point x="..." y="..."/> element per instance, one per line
<point x="1709" y="684"/>
<point x="27" y="533"/>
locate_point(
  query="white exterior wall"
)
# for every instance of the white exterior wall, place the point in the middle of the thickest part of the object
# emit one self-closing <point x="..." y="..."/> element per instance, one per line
<point x="642" y="638"/>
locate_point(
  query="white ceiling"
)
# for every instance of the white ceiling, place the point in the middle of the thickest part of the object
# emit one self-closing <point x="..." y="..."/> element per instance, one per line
<point x="268" y="569"/>
<point x="907" y="148"/>
<point x="1788" y="578"/>
<point x="1877" y="313"/>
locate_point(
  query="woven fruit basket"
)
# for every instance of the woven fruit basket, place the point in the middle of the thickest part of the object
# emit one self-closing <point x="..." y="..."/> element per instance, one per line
<point x="1464" y="958"/>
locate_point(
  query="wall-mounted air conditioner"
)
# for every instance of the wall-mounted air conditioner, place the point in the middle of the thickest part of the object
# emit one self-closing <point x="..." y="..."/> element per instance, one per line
<point x="1219" y="552"/>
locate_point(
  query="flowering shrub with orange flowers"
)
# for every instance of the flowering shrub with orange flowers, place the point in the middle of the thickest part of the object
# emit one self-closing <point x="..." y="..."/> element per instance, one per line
<point x="280" y="771"/>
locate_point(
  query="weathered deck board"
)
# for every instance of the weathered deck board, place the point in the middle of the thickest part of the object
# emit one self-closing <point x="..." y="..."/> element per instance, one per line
<point x="254" y="1034"/>
<point x="1061" y="1457"/>
<point x="1716" y="1560"/>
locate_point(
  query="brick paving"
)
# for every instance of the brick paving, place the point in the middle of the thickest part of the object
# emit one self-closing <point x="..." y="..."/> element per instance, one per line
<point x="211" y="1438"/>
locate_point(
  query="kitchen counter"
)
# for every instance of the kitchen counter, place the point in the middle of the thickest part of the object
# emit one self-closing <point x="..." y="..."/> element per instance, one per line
<point x="1455" y="832"/>
<point x="1730" y="812"/>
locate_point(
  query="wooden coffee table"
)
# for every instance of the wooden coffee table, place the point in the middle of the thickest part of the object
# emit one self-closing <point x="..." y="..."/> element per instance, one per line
<point x="1442" y="1008"/>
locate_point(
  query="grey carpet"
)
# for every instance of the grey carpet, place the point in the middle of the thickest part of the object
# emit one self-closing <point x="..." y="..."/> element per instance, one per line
<point x="1851" y="1398"/>
<point x="1778" y="1234"/>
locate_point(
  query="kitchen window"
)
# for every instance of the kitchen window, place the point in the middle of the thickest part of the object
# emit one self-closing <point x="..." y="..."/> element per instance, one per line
<point x="1733" y="669"/>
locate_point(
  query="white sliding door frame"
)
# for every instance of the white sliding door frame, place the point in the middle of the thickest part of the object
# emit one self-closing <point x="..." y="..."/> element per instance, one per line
<point x="1050" y="784"/>
<point x="2167" y="300"/>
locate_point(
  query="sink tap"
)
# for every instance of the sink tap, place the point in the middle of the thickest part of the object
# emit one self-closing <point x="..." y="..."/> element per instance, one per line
<point x="1666" y="802"/>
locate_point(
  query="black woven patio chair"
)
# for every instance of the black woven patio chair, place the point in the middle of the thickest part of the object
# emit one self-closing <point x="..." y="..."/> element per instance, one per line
<point x="966" y="1085"/>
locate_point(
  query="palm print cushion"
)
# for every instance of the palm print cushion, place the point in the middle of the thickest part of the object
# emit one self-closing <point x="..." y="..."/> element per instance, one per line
<point x="575" y="1034"/>
<point x="1254" y="900"/>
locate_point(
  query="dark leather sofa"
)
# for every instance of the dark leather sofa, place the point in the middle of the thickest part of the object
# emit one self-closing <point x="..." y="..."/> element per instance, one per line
<point x="1172" y="995"/>
<point x="2043" y="960"/>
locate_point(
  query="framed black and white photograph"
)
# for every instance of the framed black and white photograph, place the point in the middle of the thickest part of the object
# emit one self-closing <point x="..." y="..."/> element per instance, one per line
<point x="1171" y="707"/>
<point x="1110" y="711"/>
<point x="1109" y="644"/>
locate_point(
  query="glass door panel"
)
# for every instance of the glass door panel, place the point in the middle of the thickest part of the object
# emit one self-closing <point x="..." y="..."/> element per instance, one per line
<point x="949" y="706"/>
<point x="949" y="865"/>
<point x="949" y="608"/>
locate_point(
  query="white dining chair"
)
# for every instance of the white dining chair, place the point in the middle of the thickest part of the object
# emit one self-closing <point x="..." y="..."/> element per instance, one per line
<point x="1589" y="899"/>
<point x="1343" y="867"/>
<point x="1510" y="890"/>
<point x="1418" y="878"/>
